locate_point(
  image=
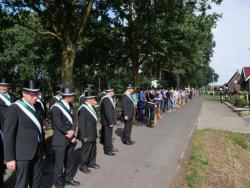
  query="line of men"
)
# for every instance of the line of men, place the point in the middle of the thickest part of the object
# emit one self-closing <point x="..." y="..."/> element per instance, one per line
<point x="22" y="137"/>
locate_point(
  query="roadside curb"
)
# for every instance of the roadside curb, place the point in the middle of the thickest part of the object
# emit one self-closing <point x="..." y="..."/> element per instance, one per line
<point x="235" y="109"/>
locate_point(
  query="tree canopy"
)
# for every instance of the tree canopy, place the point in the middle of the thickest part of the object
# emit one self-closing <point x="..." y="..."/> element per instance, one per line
<point x="108" y="41"/>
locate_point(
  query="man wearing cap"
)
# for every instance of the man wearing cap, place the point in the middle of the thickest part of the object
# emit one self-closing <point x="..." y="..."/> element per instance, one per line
<point x="87" y="122"/>
<point x="23" y="138"/>
<point x="127" y="114"/>
<point x="63" y="140"/>
<point x="108" y="120"/>
<point x="57" y="97"/>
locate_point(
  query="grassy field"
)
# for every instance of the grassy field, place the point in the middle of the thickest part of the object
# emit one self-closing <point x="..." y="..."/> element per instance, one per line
<point x="219" y="159"/>
<point x="211" y="98"/>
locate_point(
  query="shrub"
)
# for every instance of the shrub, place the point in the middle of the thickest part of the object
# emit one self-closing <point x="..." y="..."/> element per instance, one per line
<point x="240" y="102"/>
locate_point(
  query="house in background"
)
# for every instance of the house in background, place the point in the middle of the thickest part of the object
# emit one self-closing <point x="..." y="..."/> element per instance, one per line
<point x="245" y="79"/>
<point x="234" y="84"/>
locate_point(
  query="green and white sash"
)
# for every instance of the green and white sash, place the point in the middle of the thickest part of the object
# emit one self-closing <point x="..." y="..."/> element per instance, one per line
<point x="58" y="97"/>
<point x="64" y="110"/>
<point x="6" y="99"/>
<point x="32" y="114"/>
<point x="130" y="97"/>
<point x="111" y="100"/>
<point x="38" y="100"/>
<point x="90" y="109"/>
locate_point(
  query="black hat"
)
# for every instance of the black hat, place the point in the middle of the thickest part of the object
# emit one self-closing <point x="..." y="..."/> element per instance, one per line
<point x="89" y="94"/>
<point x="4" y="82"/>
<point x="68" y="90"/>
<point x="59" y="88"/>
<point x="130" y="86"/>
<point x="109" y="89"/>
<point x="31" y="86"/>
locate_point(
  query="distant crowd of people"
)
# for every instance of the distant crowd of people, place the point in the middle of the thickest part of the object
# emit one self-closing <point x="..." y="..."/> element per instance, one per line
<point x="23" y="123"/>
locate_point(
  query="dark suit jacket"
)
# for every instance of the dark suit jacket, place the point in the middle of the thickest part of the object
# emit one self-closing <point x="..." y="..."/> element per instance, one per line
<point x="127" y="107"/>
<point x="3" y="108"/>
<point x="87" y="125"/>
<point x="60" y="125"/>
<point x="52" y="101"/>
<point x="108" y="113"/>
<point x="20" y="135"/>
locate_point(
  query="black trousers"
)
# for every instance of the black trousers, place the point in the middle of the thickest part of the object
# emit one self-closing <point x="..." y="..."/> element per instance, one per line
<point x="102" y="134"/>
<point x="64" y="164"/>
<point x="108" y="142"/>
<point x="127" y="129"/>
<point x="151" y="113"/>
<point x="88" y="154"/>
<point x="2" y="167"/>
<point x="30" y="172"/>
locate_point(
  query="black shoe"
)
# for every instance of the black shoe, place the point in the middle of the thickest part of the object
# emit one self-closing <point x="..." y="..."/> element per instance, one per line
<point x="96" y="166"/>
<point x="132" y="142"/>
<point x="73" y="183"/>
<point x="110" y="153"/>
<point x="150" y="126"/>
<point x="127" y="142"/>
<point x="85" y="170"/>
<point x="114" y="150"/>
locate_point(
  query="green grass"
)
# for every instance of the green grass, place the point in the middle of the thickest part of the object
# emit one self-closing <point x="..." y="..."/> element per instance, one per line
<point x="245" y="113"/>
<point x="211" y="98"/>
<point x="198" y="162"/>
<point x="240" y="140"/>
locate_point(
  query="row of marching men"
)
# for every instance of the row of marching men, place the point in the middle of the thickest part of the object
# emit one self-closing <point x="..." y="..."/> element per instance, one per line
<point x="22" y="137"/>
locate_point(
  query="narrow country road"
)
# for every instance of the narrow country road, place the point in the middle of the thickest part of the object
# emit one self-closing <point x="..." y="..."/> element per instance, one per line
<point x="150" y="163"/>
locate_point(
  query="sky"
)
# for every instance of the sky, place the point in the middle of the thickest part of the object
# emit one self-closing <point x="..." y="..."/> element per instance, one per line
<point x="232" y="37"/>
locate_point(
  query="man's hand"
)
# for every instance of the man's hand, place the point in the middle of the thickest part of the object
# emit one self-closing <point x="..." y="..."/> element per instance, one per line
<point x="70" y="134"/>
<point x="85" y="139"/>
<point x="126" y="117"/>
<point x="111" y="126"/>
<point x="11" y="165"/>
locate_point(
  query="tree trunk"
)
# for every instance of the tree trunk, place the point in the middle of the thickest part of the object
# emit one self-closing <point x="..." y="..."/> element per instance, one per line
<point x="68" y="60"/>
<point x="178" y="81"/>
<point x="159" y="72"/>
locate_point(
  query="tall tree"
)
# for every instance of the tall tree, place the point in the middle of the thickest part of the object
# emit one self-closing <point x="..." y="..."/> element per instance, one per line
<point x="67" y="22"/>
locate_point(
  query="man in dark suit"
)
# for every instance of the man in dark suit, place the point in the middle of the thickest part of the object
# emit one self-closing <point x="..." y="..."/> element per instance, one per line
<point x="127" y="114"/>
<point x="108" y="120"/>
<point x="151" y="106"/>
<point x="63" y="139"/>
<point x="23" y="138"/>
<point x="87" y="122"/>
<point x="5" y="100"/>
<point x="82" y="97"/>
<point x="57" y="97"/>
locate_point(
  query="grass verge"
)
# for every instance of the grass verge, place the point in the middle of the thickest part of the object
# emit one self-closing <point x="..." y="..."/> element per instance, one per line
<point x="211" y="98"/>
<point x="198" y="163"/>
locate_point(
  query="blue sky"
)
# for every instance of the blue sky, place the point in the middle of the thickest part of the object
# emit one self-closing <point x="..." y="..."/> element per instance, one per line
<point x="232" y="36"/>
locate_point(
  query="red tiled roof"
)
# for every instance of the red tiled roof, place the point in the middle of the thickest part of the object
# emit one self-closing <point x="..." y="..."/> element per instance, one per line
<point x="246" y="73"/>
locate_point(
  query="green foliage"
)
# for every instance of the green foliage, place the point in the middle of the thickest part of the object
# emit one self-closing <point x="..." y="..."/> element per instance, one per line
<point x="240" y="102"/>
<point x="240" y="140"/>
<point x="124" y="41"/>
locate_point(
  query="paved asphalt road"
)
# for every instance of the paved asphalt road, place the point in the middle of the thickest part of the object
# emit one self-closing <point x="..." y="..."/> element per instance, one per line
<point x="150" y="163"/>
